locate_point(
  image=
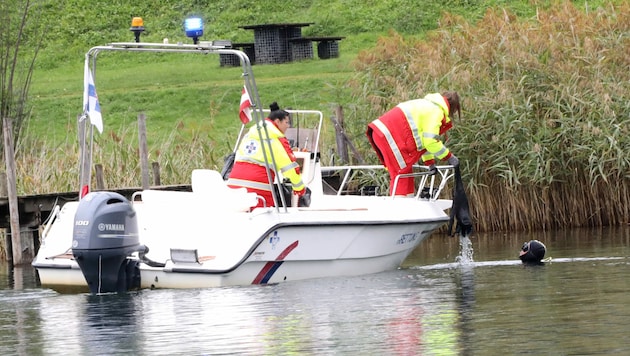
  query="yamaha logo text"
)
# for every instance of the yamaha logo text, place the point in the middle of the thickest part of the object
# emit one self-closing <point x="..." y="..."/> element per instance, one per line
<point x="111" y="227"/>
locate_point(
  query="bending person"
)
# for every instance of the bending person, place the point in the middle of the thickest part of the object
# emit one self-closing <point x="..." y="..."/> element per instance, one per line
<point x="411" y="131"/>
<point x="249" y="167"/>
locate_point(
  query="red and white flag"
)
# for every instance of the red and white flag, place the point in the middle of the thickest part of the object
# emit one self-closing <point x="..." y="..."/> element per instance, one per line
<point x="245" y="112"/>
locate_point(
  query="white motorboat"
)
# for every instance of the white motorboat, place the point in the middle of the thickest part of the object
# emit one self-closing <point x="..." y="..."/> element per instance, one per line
<point x="212" y="237"/>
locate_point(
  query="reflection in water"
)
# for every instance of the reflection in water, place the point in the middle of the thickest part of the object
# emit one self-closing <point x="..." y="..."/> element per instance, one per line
<point x="436" y="305"/>
<point x="106" y="318"/>
<point x="18" y="277"/>
<point x="465" y="282"/>
<point x="16" y="314"/>
<point x="290" y="327"/>
<point x="405" y="328"/>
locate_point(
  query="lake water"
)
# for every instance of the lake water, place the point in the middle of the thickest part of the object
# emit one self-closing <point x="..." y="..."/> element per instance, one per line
<point x="440" y="303"/>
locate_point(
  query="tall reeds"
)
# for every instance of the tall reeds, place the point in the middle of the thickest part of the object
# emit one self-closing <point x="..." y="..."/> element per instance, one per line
<point x="544" y="137"/>
<point x="56" y="170"/>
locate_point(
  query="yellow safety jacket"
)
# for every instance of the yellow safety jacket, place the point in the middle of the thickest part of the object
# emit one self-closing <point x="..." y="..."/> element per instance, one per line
<point x="250" y="150"/>
<point x="428" y="118"/>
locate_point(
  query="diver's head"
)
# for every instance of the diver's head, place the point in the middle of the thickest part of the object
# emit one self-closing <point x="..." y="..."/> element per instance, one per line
<point x="532" y="252"/>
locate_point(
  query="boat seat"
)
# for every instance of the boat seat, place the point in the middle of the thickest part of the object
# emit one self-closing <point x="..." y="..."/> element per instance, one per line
<point x="206" y="182"/>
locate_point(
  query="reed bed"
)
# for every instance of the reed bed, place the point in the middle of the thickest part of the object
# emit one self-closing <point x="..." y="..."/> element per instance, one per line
<point x="544" y="136"/>
<point x="56" y="170"/>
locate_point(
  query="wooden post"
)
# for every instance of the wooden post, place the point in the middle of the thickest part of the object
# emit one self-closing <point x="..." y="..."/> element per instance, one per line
<point x="5" y="243"/>
<point x="3" y="185"/>
<point x="156" y="174"/>
<point x="100" y="180"/>
<point x="144" y="156"/>
<point x="21" y="248"/>
<point x="342" y="148"/>
<point x="342" y="136"/>
<point x="18" y="278"/>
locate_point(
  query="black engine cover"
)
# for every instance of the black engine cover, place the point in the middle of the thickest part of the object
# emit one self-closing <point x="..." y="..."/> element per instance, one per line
<point x="105" y="234"/>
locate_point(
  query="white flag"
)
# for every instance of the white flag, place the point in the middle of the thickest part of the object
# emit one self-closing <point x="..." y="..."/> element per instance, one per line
<point x="245" y="112"/>
<point x="90" y="100"/>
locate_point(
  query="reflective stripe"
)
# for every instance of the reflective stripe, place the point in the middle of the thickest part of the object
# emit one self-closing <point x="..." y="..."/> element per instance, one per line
<point x="391" y="142"/>
<point x="250" y="159"/>
<point x="289" y="166"/>
<point x="248" y="184"/>
<point x="299" y="185"/>
<point x="412" y="125"/>
<point x="430" y="135"/>
<point x="441" y="152"/>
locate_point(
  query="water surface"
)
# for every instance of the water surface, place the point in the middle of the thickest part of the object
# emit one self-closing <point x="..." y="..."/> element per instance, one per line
<point x="439" y="303"/>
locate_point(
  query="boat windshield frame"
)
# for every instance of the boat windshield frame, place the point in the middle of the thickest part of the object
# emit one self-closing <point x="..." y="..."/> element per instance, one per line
<point x="203" y="47"/>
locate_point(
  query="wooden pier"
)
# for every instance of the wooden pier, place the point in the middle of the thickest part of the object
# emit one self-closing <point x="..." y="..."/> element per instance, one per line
<point x="35" y="210"/>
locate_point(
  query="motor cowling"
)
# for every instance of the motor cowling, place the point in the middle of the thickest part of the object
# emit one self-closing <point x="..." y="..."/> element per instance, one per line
<point x="105" y="235"/>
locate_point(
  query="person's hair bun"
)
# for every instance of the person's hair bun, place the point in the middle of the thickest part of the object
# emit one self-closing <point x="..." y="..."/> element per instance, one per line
<point x="274" y="106"/>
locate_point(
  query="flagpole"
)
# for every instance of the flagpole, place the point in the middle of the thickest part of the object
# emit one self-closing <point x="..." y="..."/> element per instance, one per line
<point x="87" y="128"/>
<point x="238" y="139"/>
<point x="84" y="178"/>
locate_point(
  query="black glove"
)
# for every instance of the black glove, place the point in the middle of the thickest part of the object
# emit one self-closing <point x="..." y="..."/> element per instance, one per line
<point x="453" y="161"/>
<point x="432" y="170"/>
<point x="305" y="199"/>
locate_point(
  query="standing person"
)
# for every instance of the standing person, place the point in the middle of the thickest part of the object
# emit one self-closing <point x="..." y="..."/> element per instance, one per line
<point x="411" y="131"/>
<point x="249" y="168"/>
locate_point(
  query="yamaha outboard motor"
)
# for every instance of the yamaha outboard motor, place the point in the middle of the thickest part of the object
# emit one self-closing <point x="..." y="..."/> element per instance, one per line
<point x="532" y="252"/>
<point x="105" y="234"/>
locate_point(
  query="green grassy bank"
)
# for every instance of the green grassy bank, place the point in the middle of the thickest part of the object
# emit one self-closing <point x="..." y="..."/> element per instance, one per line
<point x="545" y="88"/>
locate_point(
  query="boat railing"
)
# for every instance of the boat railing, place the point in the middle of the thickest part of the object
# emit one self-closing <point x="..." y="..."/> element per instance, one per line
<point x="86" y="135"/>
<point x="51" y="219"/>
<point x="429" y="187"/>
<point x="303" y="137"/>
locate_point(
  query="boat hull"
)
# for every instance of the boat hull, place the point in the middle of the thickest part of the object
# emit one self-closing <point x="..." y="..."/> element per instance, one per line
<point x="291" y="254"/>
<point x="272" y="272"/>
<point x="274" y="249"/>
<point x="196" y="240"/>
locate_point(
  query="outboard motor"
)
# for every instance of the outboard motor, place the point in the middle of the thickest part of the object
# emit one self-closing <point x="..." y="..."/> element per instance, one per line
<point x="105" y="234"/>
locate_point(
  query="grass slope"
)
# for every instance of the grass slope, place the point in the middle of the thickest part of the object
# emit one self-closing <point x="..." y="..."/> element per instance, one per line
<point x="164" y="86"/>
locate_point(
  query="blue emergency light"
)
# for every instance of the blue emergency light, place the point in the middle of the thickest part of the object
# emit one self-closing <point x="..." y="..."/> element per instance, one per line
<point x="193" y="26"/>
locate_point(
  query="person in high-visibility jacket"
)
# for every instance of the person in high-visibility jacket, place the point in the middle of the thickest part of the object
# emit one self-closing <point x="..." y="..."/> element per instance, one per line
<point x="249" y="165"/>
<point x="411" y="131"/>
